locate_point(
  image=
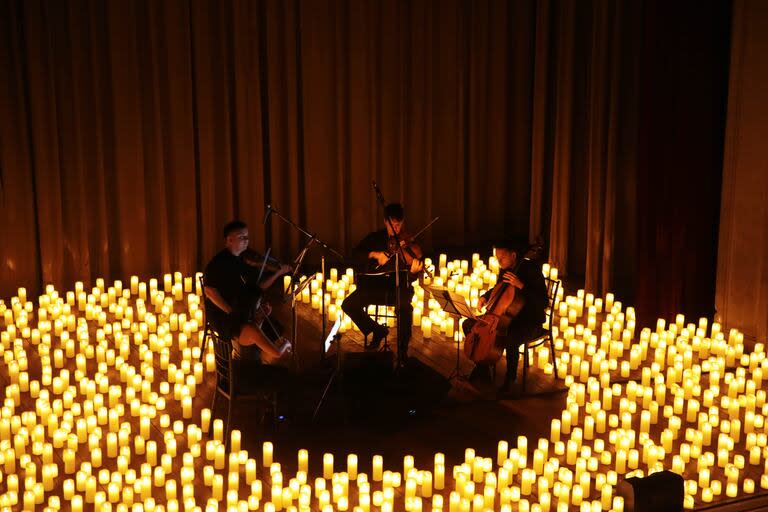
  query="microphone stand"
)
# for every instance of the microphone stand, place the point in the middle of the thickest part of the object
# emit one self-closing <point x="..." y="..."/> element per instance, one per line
<point x="313" y="239"/>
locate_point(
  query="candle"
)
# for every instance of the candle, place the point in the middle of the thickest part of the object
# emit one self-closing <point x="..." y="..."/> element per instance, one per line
<point x="502" y="452"/>
<point x="234" y="440"/>
<point x="554" y="435"/>
<point x="250" y="471"/>
<point x="378" y="466"/>
<point x="327" y="465"/>
<point x="217" y="484"/>
<point x="352" y="466"/>
<point x="219" y="457"/>
<point x="426" y="327"/>
<point x="303" y="460"/>
<point x="186" y="407"/>
<point x="205" y="419"/>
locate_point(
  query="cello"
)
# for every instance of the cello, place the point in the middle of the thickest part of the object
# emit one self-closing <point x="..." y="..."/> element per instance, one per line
<point x="503" y="305"/>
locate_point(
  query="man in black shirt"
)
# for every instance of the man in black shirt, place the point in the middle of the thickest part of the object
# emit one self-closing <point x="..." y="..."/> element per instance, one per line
<point x="529" y="283"/>
<point x="375" y="253"/>
<point x="230" y="294"/>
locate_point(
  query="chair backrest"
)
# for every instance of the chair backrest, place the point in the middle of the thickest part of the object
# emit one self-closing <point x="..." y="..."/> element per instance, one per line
<point x="201" y="281"/>
<point x="552" y="287"/>
<point x="222" y="351"/>
<point x="209" y="328"/>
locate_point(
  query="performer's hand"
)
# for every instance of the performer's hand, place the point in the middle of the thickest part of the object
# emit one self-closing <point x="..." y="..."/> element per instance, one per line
<point x="284" y="269"/>
<point x="416" y="266"/>
<point x="481" y="302"/>
<point x="267" y="308"/>
<point x="512" y="279"/>
<point x="380" y="257"/>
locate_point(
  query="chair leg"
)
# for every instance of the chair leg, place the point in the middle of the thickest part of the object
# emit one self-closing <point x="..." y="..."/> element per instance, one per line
<point x="204" y="344"/>
<point x="274" y="409"/>
<point x="525" y="365"/>
<point x="213" y="403"/>
<point x="552" y="351"/>
<point x="229" y="423"/>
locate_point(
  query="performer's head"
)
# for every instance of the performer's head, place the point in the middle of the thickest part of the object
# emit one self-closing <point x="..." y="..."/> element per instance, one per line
<point x="394" y="215"/>
<point x="236" y="237"/>
<point x="509" y="251"/>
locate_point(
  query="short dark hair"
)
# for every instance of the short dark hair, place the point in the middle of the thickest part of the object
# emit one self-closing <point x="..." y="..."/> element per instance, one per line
<point x="518" y="245"/>
<point x="394" y="211"/>
<point x="231" y="227"/>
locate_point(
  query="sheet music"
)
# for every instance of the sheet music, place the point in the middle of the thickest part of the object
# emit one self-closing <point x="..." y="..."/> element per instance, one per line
<point x="451" y="302"/>
<point x="331" y="335"/>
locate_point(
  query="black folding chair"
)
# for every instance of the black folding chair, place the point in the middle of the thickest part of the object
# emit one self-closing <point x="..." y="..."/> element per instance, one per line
<point x="545" y="334"/>
<point x="231" y="385"/>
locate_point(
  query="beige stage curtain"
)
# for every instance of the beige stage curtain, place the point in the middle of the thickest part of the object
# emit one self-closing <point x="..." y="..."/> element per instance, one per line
<point x="131" y="131"/>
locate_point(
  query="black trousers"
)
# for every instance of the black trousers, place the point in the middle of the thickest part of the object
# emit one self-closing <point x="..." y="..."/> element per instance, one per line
<point x="519" y="331"/>
<point x="356" y="303"/>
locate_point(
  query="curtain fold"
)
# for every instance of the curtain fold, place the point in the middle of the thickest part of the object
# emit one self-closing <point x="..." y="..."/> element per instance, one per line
<point x="131" y="131"/>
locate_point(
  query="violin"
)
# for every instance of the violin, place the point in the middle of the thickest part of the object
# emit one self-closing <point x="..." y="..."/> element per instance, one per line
<point x="255" y="259"/>
<point x="410" y="249"/>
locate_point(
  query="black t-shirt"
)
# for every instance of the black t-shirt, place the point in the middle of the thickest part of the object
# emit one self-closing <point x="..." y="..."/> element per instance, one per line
<point x="378" y="241"/>
<point x="534" y="292"/>
<point x="375" y="241"/>
<point x="229" y="275"/>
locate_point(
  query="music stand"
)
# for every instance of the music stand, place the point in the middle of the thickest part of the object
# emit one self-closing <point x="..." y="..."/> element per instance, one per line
<point x="456" y="305"/>
<point x="313" y="239"/>
<point x="333" y="336"/>
<point x="450" y="302"/>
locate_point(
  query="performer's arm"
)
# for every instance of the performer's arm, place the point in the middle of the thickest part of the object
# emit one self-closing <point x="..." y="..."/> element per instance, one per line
<point x="366" y="250"/>
<point x="215" y="297"/>
<point x="252" y="335"/>
<point x="266" y="283"/>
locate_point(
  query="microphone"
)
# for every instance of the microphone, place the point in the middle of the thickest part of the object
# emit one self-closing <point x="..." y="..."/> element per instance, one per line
<point x="266" y="215"/>
<point x="378" y="192"/>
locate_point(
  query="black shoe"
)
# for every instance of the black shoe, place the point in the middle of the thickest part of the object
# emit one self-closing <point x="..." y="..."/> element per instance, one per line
<point x="480" y="373"/>
<point x="379" y="334"/>
<point x="509" y="382"/>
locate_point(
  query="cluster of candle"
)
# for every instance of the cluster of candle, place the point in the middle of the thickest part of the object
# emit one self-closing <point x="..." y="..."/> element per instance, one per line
<point x="93" y="427"/>
<point x="464" y="277"/>
<point x="692" y="400"/>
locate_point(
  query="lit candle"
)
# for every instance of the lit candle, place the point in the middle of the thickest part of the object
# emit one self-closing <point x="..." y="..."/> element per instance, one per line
<point x="328" y="465"/>
<point x="250" y="471"/>
<point x="378" y="468"/>
<point x="219" y="457"/>
<point x="555" y="431"/>
<point x="186" y="407"/>
<point x="502" y="452"/>
<point x="426" y="327"/>
<point x="217" y="490"/>
<point x="205" y="420"/>
<point x="151" y="449"/>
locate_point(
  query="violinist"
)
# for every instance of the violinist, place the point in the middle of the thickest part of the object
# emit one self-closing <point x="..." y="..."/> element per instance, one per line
<point x="517" y="326"/>
<point x="231" y="296"/>
<point x="376" y="253"/>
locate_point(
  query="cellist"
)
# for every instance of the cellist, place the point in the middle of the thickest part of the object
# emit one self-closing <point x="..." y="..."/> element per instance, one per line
<point x="518" y="328"/>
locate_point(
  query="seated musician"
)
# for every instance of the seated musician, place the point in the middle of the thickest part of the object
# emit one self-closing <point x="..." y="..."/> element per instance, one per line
<point x="231" y="297"/>
<point x="376" y="252"/>
<point x="529" y="282"/>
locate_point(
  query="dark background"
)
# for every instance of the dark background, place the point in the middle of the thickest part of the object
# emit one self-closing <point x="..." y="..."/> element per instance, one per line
<point x="131" y="131"/>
